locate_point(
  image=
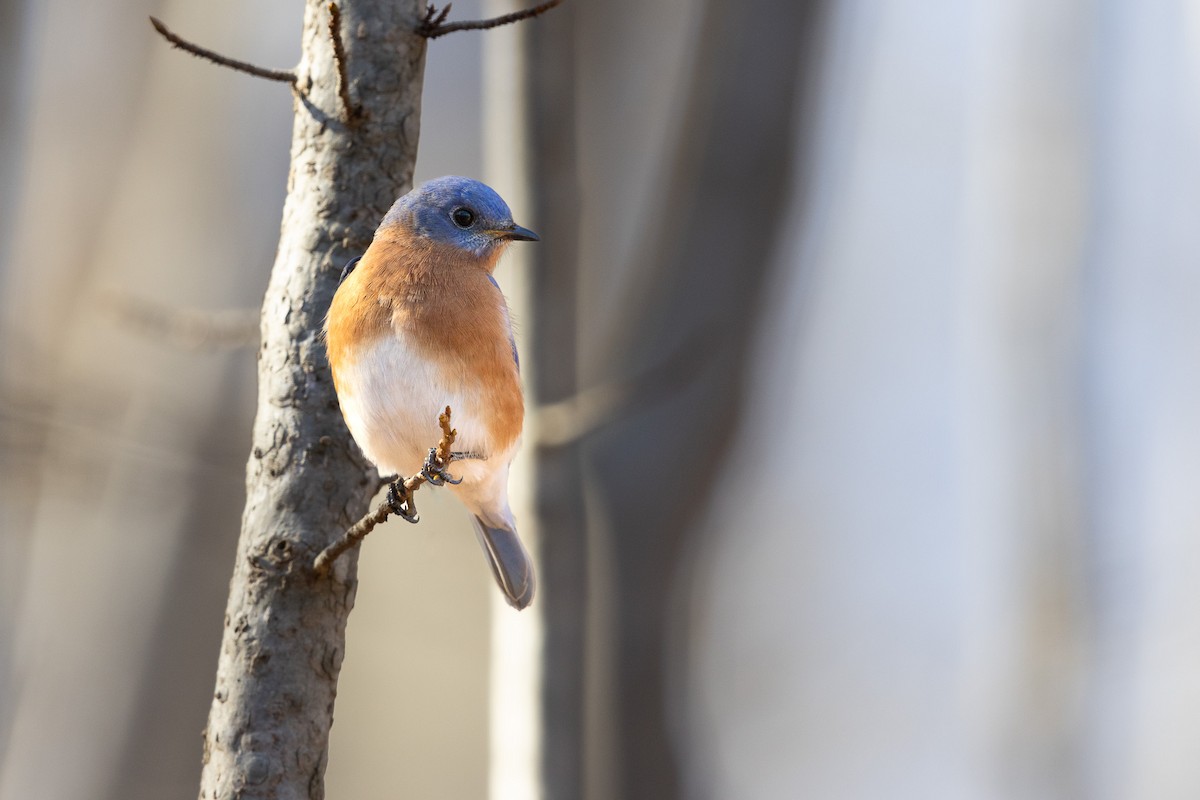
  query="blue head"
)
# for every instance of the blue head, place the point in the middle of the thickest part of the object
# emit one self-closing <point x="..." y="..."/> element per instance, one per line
<point x="458" y="211"/>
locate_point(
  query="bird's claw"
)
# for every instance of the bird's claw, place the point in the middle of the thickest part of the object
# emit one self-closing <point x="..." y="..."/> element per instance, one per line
<point x="435" y="472"/>
<point x="401" y="502"/>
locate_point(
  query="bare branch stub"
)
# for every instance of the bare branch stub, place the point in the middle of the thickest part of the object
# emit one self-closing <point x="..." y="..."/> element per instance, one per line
<point x="434" y="23"/>
<point x="359" y="530"/>
<point x="350" y="111"/>
<point x="281" y="75"/>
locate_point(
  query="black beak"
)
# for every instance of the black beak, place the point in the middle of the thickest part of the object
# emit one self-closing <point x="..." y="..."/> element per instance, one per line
<point x="519" y="234"/>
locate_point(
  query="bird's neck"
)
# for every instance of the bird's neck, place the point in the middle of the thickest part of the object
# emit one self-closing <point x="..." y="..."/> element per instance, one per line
<point x="421" y="285"/>
<point x="418" y="258"/>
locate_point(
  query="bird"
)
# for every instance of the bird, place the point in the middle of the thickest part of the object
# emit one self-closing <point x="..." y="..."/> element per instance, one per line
<point x="419" y="323"/>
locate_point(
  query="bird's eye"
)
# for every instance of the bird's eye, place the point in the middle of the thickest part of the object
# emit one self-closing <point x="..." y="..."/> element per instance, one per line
<point x="463" y="217"/>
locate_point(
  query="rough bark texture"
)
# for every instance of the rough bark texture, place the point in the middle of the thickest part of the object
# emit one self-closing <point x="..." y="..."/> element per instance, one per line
<point x="283" y="642"/>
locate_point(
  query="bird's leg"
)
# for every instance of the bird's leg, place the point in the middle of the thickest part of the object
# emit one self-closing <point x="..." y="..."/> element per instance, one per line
<point x="401" y="501"/>
<point x="435" y="471"/>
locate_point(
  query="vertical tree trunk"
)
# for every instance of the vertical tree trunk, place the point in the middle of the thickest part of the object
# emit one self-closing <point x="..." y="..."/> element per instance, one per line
<point x="700" y="270"/>
<point x="550" y="51"/>
<point x="283" y="643"/>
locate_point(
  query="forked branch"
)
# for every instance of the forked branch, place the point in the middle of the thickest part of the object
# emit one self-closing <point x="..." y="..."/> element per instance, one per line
<point x="434" y="23"/>
<point x="281" y="75"/>
<point x="401" y="494"/>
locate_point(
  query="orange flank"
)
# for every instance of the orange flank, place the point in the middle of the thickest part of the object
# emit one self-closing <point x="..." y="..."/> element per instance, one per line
<point x="438" y="300"/>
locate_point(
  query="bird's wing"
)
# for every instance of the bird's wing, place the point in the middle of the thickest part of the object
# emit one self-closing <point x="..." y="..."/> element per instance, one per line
<point x="346" y="270"/>
<point x="512" y="341"/>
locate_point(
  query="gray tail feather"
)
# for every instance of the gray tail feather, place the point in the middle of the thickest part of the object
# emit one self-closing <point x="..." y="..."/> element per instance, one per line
<point x="509" y="561"/>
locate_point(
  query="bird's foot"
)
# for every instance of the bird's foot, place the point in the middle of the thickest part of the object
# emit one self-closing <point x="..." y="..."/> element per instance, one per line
<point x="466" y="455"/>
<point x="401" y="502"/>
<point x="434" y="470"/>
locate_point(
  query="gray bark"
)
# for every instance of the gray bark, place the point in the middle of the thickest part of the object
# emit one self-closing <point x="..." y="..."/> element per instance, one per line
<point x="283" y="641"/>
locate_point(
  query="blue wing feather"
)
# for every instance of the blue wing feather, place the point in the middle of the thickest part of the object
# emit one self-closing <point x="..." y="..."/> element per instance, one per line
<point x="346" y="270"/>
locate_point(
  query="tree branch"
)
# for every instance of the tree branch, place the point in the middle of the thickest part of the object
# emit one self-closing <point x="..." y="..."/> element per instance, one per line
<point x="594" y="407"/>
<point x="184" y="327"/>
<point x="350" y="111"/>
<point x="284" y="636"/>
<point x="434" y="23"/>
<point x="444" y="455"/>
<point x="281" y="75"/>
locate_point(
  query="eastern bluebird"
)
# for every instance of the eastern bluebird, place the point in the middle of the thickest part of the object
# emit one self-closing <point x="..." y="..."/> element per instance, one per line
<point x="418" y="324"/>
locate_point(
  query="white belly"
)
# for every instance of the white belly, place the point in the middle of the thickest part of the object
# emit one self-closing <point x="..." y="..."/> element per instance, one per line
<point x="391" y="399"/>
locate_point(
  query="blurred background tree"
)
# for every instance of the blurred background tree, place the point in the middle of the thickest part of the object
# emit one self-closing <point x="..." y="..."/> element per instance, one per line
<point x="864" y="340"/>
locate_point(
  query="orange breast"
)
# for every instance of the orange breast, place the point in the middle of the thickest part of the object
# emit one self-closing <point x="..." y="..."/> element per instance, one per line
<point x="440" y="301"/>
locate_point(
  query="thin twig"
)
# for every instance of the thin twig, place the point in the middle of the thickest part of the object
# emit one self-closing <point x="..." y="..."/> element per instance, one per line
<point x="433" y="18"/>
<point x="434" y="25"/>
<point x="350" y="111"/>
<point x="281" y="75"/>
<point x="358" y="531"/>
